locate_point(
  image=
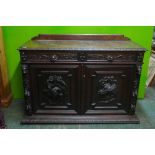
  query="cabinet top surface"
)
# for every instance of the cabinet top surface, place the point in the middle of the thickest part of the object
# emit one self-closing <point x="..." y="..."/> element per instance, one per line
<point x="82" y="42"/>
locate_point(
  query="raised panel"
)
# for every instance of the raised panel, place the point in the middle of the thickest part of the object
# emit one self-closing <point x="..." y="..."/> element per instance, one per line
<point x="55" y="89"/>
<point x="107" y="87"/>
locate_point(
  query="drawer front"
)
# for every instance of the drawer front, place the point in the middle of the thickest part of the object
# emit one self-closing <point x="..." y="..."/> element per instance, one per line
<point x="80" y="56"/>
<point x="115" y="56"/>
<point x="47" y="57"/>
<point x="107" y="88"/>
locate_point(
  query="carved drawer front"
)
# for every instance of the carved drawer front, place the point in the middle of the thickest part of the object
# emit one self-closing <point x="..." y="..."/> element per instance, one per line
<point x="55" y="89"/>
<point x="115" y="56"/>
<point x="107" y="88"/>
<point x="47" y="56"/>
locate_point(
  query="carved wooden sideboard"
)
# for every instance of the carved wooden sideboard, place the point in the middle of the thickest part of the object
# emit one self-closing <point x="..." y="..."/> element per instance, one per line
<point x="81" y="78"/>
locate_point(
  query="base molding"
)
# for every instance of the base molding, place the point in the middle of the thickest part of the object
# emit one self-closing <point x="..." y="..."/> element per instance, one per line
<point x="77" y="119"/>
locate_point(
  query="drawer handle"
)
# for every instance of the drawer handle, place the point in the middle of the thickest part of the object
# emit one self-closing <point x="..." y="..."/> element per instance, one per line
<point x="53" y="58"/>
<point x="109" y="58"/>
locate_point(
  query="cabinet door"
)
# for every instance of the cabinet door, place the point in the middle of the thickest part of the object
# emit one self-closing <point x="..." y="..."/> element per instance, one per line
<point x="107" y="89"/>
<point x="55" y="89"/>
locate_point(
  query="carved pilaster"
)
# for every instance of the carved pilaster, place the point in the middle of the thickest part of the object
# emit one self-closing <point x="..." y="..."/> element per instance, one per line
<point x="135" y="88"/>
<point x="28" y="106"/>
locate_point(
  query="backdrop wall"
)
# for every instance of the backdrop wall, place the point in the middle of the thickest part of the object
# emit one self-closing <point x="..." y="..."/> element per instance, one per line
<point x="15" y="36"/>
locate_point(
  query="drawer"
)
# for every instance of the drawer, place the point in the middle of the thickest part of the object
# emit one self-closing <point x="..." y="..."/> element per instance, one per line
<point x="115" y="57"/>
<point x="79" y="56"/>
<point x="47" y="56"/>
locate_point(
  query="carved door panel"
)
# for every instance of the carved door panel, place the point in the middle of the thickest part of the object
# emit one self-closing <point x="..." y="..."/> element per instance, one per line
<point x="55" y="89"/>
<point x="107" y="88"/>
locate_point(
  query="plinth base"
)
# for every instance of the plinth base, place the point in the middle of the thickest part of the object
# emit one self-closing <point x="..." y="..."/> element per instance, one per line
<point x="78" y="119"/>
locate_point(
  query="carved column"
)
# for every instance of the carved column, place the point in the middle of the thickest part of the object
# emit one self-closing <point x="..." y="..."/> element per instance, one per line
<point x="5" y="91"/>
<point x="28" y="106"/>
<point x="136" y="82"/>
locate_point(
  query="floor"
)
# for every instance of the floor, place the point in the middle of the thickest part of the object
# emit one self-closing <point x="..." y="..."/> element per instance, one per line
<point x="145" y="111"/>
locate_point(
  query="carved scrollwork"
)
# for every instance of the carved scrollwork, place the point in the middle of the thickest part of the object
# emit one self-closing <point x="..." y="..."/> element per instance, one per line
<point x="107" y="88"/>
<point x="27" y="89"/>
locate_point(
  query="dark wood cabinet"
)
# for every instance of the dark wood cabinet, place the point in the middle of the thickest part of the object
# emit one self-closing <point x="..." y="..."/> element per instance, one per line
<point x="81" y="78"/>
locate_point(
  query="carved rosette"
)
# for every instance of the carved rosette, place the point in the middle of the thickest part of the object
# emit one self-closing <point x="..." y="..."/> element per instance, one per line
<point x="107" y="88"/>
<point x="27" y="93"/>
